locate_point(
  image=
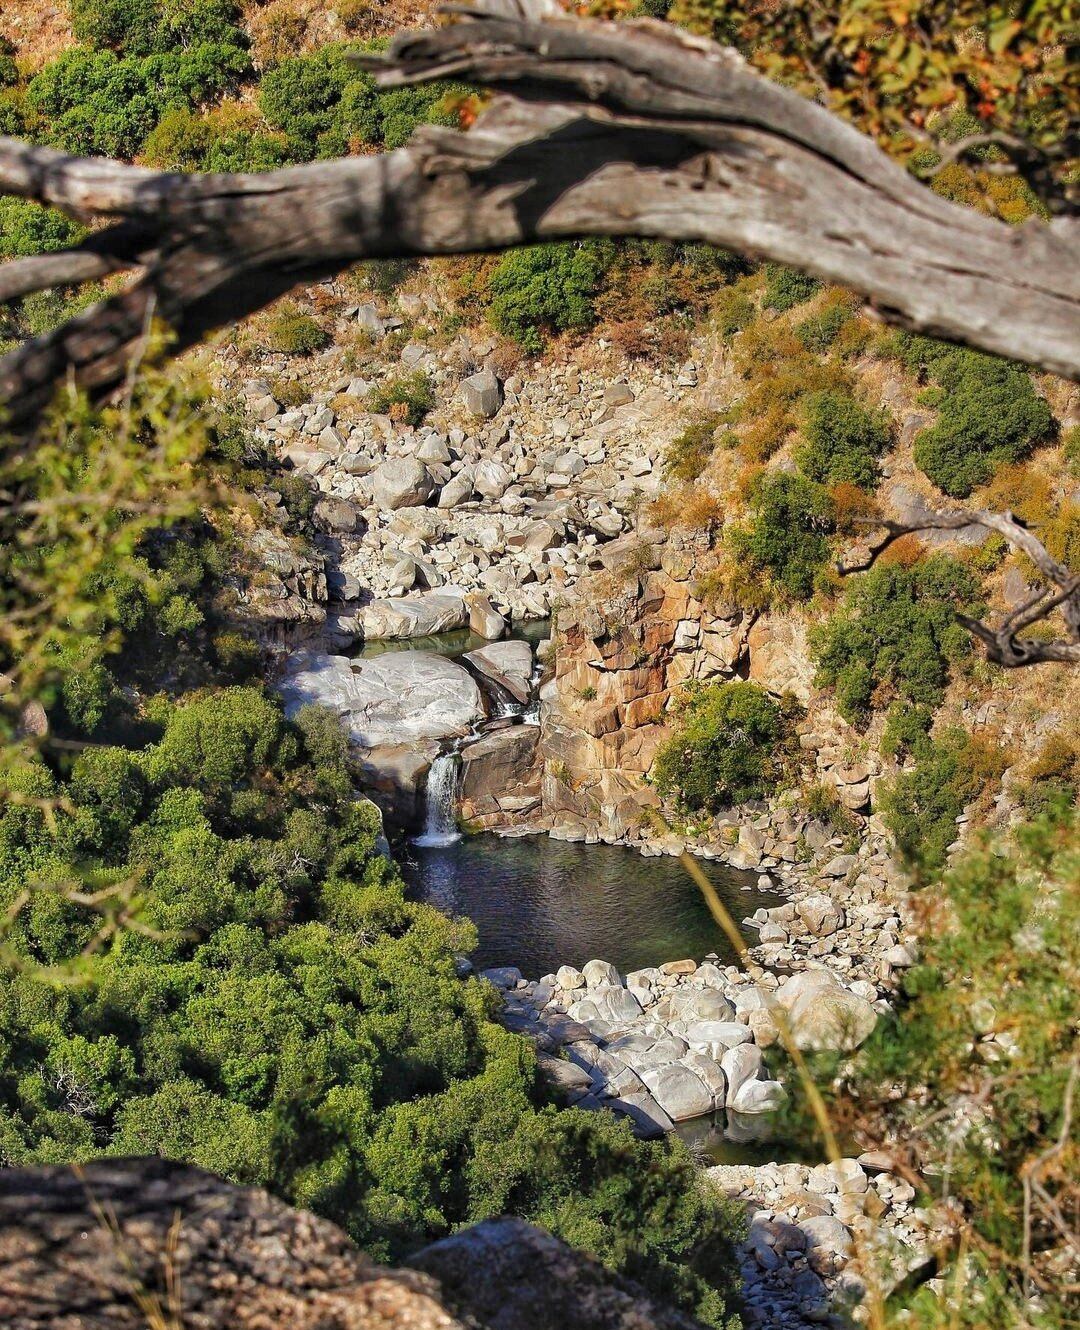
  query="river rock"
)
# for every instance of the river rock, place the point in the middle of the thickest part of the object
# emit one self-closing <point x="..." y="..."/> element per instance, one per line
<point x="758" y="1097"/>
<point x="484" y="619"/>
<point x="740" y="1064"/>
<point x="508" y="664"/>
<point x="599" y="972"/>
<point x="823" y="1014"/>
<point x="649" y="1120"/>
<point x="401" y="482"/>
<point x="708" y="1035"/>
<point x="402" y="695"/>
<point x="503" y="976"/>
<point x="402" y="617"/>
<point x="481" y="394"/>
<point x="678" y="1091"/>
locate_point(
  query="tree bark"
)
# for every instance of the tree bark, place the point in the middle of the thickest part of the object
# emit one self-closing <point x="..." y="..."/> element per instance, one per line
<point x="628" y="129"/>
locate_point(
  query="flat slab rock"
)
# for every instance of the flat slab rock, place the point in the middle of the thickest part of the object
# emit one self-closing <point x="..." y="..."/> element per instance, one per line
<point x="388" y="699"/>
<point x="246" y="1261"/>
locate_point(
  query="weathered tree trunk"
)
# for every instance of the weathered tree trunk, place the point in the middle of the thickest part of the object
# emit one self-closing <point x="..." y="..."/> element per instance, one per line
<point x="628" y="129"/>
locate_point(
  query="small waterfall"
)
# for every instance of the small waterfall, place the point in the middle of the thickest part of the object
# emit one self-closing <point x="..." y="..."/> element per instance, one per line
<point x="440" y="820"/>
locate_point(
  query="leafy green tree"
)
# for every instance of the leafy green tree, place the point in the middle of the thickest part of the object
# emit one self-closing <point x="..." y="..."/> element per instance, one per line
<point x="920" y="806"/>
<point x="787" y="287"/>
<point x="988" y="414"/>
<point x="896" y="635"/>
<point x="729" y="745"/>
<point x="542" y="289"/>
<point x="787" y="537"/>
<point x="843" y="440"/>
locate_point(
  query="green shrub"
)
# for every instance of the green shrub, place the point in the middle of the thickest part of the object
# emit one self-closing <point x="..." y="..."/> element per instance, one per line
<point x="9" y="71"/>
<point x="294" y="333"/>
<point x="729" y="745"/>
<point x="989" y="414"/>
<point x="920" y="807"/>
<point x="1070" y="446"/>
<point x="155" y="27"/>
<point x="26" y="228"/>
<point x="843" y="440"/>
<point x="733" y="311"/>
<point x="303" y="97"/>
<point x="13" y="112"/>
<point x="896" y="635"/>
<point x="689" y="454"/>
<point x="187" y="140"/>
<point x="906" y="726"/>
<point x="323" y="104"/>
<point x="787" y="287"/>
<point x="787" y="538"/>
<point x="823" y="803"/>
<point x="408" y="398"/>
<point x="96" y="102"/>
<point x="818" y="332"/>
<point x="547" y="288"/>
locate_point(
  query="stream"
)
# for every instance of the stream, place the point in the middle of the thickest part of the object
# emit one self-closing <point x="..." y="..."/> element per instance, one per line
<point x="539" y="903"/>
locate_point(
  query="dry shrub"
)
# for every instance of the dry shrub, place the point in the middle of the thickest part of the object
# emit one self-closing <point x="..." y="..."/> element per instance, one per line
<point x="905" y="552"/>
<point x="506" y="357"/>
<point x="282" y="33"/>
<point x="852" y="507"/>
<point x="631" y="338"/>
<point x="323" y="299"/>
<point x="778" y="371"/>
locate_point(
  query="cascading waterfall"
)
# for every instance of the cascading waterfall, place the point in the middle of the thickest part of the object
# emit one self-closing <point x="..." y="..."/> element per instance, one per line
<point x="440" y="816"/>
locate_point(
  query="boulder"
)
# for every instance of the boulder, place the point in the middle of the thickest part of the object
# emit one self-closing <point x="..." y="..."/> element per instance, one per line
<point x="245" y="1258"/>
<point x="401" y="482"/>
<point x="484" y="620"/>
<point x="333" y="514"/>
<point x="481" y="394"/>
<point x="568" y="978"/>
<point x="599" y="972"/>
<point x="679" y="1091"/>
<point x="824" y="1015"/>
<point x="740" y="1064"/>
<point x="508" y="664"/>
<point x="821" y="915"/>
<point x="502" y="765"/>
<point x="458" y="489"/>
<point x="402" y="617"/>
<point x="491" y="479"/>
<point x="758" y="1097"/>
<point x="388" y="699"/>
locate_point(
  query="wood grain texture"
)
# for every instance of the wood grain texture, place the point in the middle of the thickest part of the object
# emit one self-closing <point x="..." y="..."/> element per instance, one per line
<point x="628" y="129"/>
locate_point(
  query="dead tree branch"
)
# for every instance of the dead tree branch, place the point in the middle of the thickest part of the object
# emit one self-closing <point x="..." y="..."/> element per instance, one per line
<point x="622" y="129"/>
<point x="1001" y="642"/>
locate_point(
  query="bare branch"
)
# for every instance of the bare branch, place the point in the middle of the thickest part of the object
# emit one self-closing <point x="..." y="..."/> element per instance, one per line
<point x="1002" y="644"/>
<point x="614" y="129"/>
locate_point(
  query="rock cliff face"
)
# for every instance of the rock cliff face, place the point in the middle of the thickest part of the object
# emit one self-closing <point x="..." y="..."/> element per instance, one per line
<point x="634" y="633"/>
<point x="129" y="1243"/>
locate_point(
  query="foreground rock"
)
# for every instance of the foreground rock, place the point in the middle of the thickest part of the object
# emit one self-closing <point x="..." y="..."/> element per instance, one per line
<point x="820" y="1235"/>
<point x="386" y="700"/>
<point x="242" y="1260"/>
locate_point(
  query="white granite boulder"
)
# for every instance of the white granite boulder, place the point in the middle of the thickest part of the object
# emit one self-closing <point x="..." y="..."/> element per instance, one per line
<point x="388" y="699"/>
